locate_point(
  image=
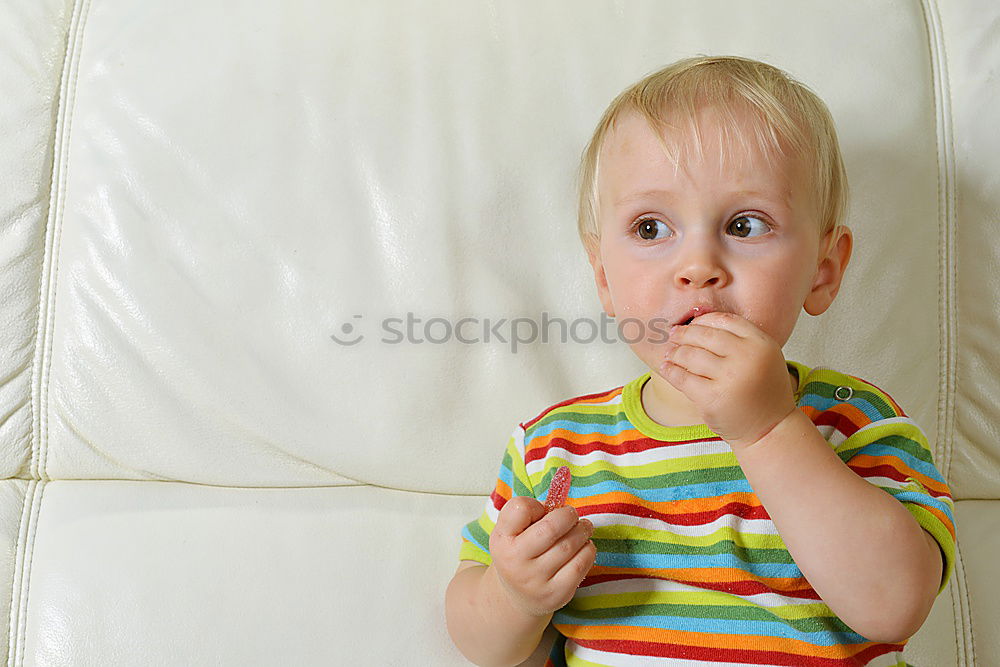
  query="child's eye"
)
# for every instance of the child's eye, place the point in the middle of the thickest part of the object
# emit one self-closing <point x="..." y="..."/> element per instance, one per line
<point x="649" y="228"/>
<point x="744" y="227"/>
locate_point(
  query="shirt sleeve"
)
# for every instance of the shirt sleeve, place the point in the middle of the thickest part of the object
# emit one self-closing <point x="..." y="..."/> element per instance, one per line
<point x="512" y="480"/>
<point x="893" y="455"/>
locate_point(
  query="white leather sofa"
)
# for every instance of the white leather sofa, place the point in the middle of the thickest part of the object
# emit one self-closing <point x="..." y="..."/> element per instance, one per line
<point x="198" y="195"/>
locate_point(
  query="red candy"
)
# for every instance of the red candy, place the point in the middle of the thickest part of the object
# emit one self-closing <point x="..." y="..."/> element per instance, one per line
<point x="558" y="489"/>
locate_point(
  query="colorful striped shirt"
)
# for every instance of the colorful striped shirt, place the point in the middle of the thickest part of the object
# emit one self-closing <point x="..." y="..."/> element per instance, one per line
<point x="690" y="570"/>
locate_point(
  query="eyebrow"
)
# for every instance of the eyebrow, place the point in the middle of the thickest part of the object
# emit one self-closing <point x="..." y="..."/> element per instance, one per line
<point x="649" y="194"/>
<point x="645" y="194"/>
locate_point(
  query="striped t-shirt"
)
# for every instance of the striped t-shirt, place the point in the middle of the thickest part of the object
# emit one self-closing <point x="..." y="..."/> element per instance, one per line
<point x="690" y="570"/>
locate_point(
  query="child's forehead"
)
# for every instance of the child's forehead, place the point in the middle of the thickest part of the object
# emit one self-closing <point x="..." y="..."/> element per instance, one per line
<point x="633" y="147"/>
<point x="708" y="131"/>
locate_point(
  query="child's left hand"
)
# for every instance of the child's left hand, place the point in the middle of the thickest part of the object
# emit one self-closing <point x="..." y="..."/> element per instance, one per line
<point x="733" y="372"/>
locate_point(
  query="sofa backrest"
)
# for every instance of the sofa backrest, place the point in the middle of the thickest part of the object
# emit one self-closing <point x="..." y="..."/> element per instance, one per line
<point x="199" y="200"/>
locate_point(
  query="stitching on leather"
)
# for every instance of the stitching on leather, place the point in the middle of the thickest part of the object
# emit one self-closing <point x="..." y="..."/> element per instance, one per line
<point x="29" y="551"/>
<point x="946" y="289"/>
<point x="965" y="609"/>
<point x="964" y="630"/>
<point x="956" y="603"/>
<point x="942" y="408"/>
<point x="951" y="248"/>
<point x="947" y="300"/>
<point x="67" y="103"/>
<point x="45" y="280"/>
<point x="951" y="197"/>
<point x="41" y="365"/>
<point x="954" y="592"/>
<point x="13" y="622"/>
<point x="968" y="614"/>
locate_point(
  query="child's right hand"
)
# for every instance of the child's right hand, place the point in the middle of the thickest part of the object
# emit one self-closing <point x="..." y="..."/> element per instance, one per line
<point x="540" y="558"/>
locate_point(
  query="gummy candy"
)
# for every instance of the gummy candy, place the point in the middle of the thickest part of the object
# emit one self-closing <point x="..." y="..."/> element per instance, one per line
<point x="558" y="489"/>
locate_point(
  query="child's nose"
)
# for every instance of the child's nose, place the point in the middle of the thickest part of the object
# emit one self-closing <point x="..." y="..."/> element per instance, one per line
<point x="700" y="268"/>
<point x="700" y="276"/>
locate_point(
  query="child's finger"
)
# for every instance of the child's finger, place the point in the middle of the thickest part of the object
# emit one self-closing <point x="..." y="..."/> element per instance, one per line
<point x="565" y="548"/>
<point x="695" y="360"/>
<point x="573" y="572"/>
<point x="683" y="379"/>
<point x="517" y="515"/>
<point x="731" y="322"/>
<point x="540" y="537"/>
<point x="717" y="340"/>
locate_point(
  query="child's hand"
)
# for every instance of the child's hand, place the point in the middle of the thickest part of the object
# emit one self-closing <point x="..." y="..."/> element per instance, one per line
<point x="540" y="558"/>
<point x="733" y="372"/>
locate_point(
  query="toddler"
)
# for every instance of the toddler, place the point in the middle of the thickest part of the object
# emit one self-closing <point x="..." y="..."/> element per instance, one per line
<point x="728" y="506"/>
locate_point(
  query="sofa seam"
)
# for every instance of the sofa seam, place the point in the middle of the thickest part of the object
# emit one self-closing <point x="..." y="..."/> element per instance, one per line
<point x="947" y="297"/>
<point x="16" y="625"/>
<point x="965" y="608"/>
<point x="954" y="320"/>
<point x="27" y="527"/>
<point x="968" y="607"/>
<point x="951" y="197"/>
<point x="13" y="626"/>
<point x="37" y="367"/>
<point x="36" y="505"/>
<point x="946" y="253"/>
<point x="48" y="286"/>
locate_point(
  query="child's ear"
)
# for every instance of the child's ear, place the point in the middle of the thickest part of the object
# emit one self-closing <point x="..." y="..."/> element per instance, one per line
<point x="837" y="246"/>
<point x="593" y="246"/>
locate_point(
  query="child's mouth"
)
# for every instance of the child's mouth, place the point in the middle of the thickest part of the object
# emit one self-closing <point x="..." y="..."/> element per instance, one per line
<point x="696" y="311"/>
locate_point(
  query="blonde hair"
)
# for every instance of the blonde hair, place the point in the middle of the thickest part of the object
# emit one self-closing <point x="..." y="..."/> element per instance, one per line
<point x="783" y="111"/>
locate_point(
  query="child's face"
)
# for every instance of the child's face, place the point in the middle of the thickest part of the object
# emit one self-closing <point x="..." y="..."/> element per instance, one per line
<point x="745" y="240"/>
